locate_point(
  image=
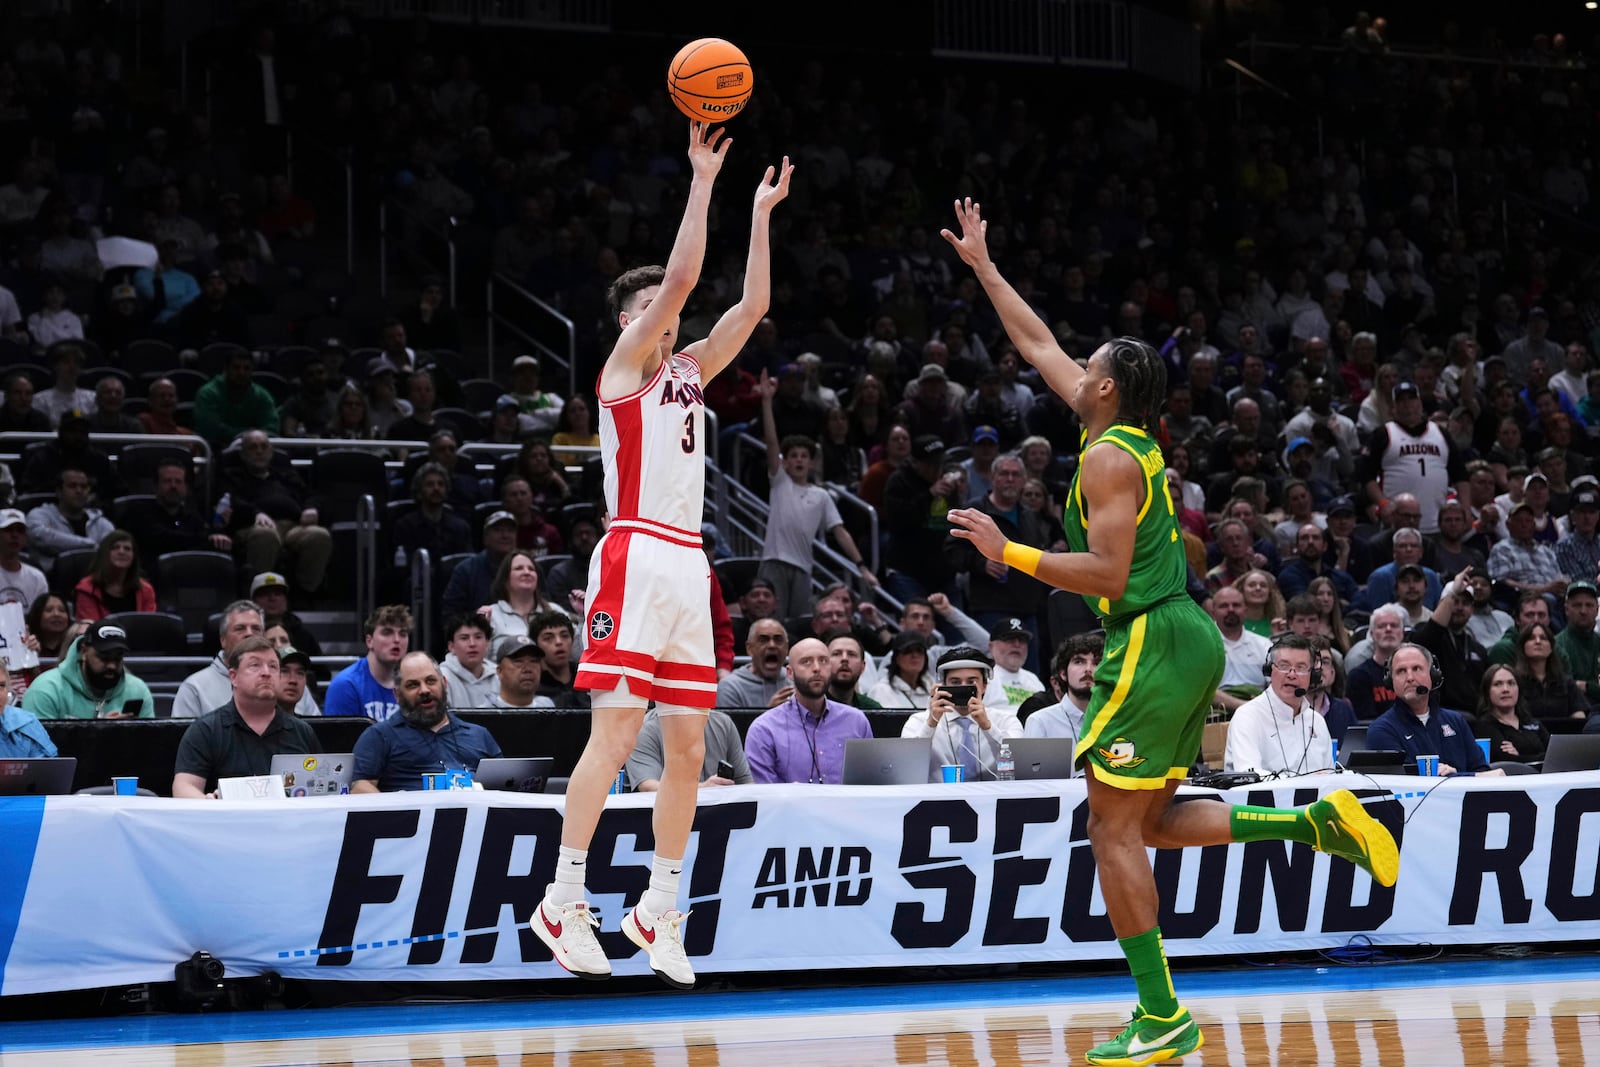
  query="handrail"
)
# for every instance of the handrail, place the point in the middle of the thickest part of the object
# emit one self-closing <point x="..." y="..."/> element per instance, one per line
<point x="491" y="316"/>
<point x="366" y="561"/>
<point x="342" y="156"/>
<point x="872" y="519"/>
<point x="413" y="218"/>
<point x="1425" y="54"/>
<point x="188" y="441"/>
<point x="422" y="597"/>
<point x="1241" y="69"/>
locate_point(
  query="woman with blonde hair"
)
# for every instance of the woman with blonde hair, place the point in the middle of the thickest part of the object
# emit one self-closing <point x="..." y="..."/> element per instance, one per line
<point x="1263" y="601"/>
<point x="1330" y="617"/>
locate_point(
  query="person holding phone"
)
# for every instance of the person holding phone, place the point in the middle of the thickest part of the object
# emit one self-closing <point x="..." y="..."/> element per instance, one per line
<point x="965" y="731"/>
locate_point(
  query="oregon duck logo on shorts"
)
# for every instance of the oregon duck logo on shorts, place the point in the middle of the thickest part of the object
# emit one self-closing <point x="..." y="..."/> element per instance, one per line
<point x="1120" y="754"/>
<point x="600" y="626"/>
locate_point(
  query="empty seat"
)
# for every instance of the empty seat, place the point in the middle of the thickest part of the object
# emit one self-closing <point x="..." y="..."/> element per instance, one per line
<point x="152" y="633"/>
<point x="276" y="384"/>
<point x="148" y="356"/>
<point x="465" y="425"/>
<point x="735" y="575"/>
<point x="214" y="357"/>
<point x="69" y="567"/>
<point x="194" y="584"/>
<point x="481" y="393"/>
<point x="339" y="476"/>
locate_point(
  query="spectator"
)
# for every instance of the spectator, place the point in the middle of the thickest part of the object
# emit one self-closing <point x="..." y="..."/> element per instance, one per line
<point x="1370" y="687"/>
<point x="1010" y="683"/>
<point x="1238" y="555"/>
<point x="1278" y="732"/>
<point x="544" y="408"/>
<point x="270" y="591"/>
<point x="54" y="321"/>
<point x="419" y="736"/>
<point x="571" y="575"/>
<point x="22" y="736"/>
<point x="1310" y="562"/>
<point x="1522" y="563"/>
<point x="515" y="597"/>
<point x="160" y="415"/>
<point x="1413" y="726"/>
<point x="1244" y="651"/>
<point x="214" y="318"/>
<point x="847" y="662"/>
<point x="1263" y="603"/>
<point x="431" y="525"/>
<point x="1072" y="675"/>
<point x="109" y="417"/>
<point x="803" y="738"/>
<point x="18" y="412"/>
<point x="550" y="490"/>
<point x="799" y="514"/>
<point x="166" y="288"/>
<point x="994" y="591"/>
<point x="431" y="324"/>
<point x="758" y="601"/>
<point x="352" y="417"/>
<point x="295" y="676"/>
<point x="903" y="681"/>
<point x="367" y="686"/>
<point x="535" y="533"/>
<point x="1504" y="720"/>
<point x="722" y="745"/>
<point x="575" y="428"/>
<point x="896" y="450"/>
<point x="465" y="489"/>
<point x="553" y="632"/>
<point x="1578" y="553"/>
<point x="20" y="582"/>
<point x="396" y="353"/>
<point x="1456" y="546"/>
<point x="311" y="409"/>
<point x="1545" y="682"/>
<point x="419" y="424"/>
<point x="519" y="667"/>
<point x="916" y="500"/>
<point x="757" y="683"/>
<point x="470" y="678"/>
<point x="970" y="734"/>
<point x="91" y="681"/>
<point x="208" y="688"/>
<point x="1488" y="623"/>
<point x="1383" y="583"/>
<point x="66" y="363"/>
<point x="69" y="524"/>
<point x="240" y="737"/>
<point x="272" y="511"/>
<point x="169" y="522"/>
<point x="507" y="424"/>
<point x="49" y="621"/>
<point x="232" y="403"/>
<point x="472" y="582"/>
<point x="1461" y="659"/>
<point x="114" y="583"/>
<point x="1412" y="454"/>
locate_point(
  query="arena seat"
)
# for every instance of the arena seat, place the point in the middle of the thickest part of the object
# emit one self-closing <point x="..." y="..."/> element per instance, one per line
<point x="193" y="584"/>
<point x="152" y="633"/>
<point x="69" y="567"/>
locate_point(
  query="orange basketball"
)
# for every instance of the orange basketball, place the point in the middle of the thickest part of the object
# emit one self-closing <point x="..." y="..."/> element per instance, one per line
<point x="710" y="80"/>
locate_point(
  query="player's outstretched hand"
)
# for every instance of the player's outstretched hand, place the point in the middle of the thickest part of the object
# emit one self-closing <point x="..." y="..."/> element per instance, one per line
<point x="705" y="154"/>
<point x="769" y="192"/>
<point x="979" y="528"/>
<point x="972" y="246"/>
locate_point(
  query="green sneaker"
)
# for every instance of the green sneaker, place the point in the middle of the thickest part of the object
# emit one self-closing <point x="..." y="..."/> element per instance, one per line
<point x="1344" y="828"/>
<point x="1149" y="1039"/>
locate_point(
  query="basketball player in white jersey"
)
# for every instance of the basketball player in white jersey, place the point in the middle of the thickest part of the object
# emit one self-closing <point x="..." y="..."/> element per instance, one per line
<point x="1412" y="454"/>
<point x="648" y="611"/>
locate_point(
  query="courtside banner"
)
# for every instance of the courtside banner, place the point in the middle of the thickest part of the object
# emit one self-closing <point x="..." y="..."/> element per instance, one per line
<point x="431" y="886"/>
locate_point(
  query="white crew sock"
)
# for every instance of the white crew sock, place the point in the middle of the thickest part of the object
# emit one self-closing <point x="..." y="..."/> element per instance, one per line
<point x="662" y="896"/>
<point x="571" y="866"/>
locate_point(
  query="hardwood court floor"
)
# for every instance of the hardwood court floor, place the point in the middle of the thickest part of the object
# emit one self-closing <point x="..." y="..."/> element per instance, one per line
<point x="1505" y="1013"/>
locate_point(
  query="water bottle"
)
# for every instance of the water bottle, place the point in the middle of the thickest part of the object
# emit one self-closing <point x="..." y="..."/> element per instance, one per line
<point x="400" y="557"/>
<point x="1005" y="768"/>
<point x="219" y="517"/>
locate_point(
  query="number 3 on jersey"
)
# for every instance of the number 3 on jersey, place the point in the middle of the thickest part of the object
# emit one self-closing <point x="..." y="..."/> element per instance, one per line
<point x="688" y="433"/>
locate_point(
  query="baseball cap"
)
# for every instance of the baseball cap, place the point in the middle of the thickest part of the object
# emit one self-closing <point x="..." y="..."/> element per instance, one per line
<point x="1521" y="505"/>
<point x="268" y="580"/>
<point x="1409" y="568"/>
<point x="907" y="639"/>
<point x="1538" y="313"/>
<point x="507" y="401"/>
<point x="1586" y="498"/>
<point x="1007" y="629"/>
<point x="1549" y="452"/>
<point x="1583" y="585"/>
<point x="124" y="292"/>
<point x="1298" y="442"/>
<point x="763" y="583"/>
<point x="381" y="365"/>
<point x="10" y="517"/>
<point x="107" y="637"/>
<point x="1534" y="477"/>
<point x="1342" y="505"/>
<point x="927" y="446"/>
<point x="986" y="433"/>
<point x="499" y="517"/>
<point x="930" y="371"/>
<point x="288" y="653"/>
<point x="1406" y="389"/>
<point x="525" y="361"/>
<point x="75" y="417"/>
<point x="512" y="645"/>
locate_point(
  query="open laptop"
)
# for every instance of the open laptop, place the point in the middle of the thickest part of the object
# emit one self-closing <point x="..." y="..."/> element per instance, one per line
<point x="1572" y="752"/>
<point x="37" y="777"/>
<point x="1355" y="740"/>
<point x="1042" y="757"/>
<point x="516" y="774"/>
<point x="887" y="760"/>
<point x="1378" y="761"/>
<point x="315" y="774"/>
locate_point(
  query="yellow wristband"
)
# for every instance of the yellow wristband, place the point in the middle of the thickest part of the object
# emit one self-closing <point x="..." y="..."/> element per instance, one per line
<point x="1024" y="558"/>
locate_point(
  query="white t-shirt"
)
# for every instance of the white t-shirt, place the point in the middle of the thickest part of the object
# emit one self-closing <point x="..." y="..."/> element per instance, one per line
<point x="1008" y="689"/>
<point x="1244" y="659"/>
<point x="799" y="515"/>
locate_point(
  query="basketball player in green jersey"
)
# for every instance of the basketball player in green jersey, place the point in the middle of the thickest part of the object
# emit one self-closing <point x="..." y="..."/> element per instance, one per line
<point x="1162" y="663"/>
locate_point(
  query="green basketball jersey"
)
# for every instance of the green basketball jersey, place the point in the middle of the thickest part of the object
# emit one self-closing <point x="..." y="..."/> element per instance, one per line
<point x="1159" y="569"/>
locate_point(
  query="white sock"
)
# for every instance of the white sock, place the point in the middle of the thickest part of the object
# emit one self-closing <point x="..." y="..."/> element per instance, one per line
<point x="572" y="864"/>
<point x="662" y="896"/>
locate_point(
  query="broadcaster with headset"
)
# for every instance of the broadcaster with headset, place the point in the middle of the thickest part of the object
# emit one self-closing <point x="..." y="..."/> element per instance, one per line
<point x="1278" y="732"/>
<point x="1412" y="724"/>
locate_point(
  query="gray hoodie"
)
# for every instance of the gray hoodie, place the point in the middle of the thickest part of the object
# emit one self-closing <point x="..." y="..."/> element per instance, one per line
<point x="465" y="691"/>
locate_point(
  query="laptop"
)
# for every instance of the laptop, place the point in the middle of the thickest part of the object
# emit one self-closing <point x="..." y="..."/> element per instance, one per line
<point x="516" y="774"/>
<point x="1572" y="752"/>
<point x="315" y="774"/>
<point x="1042" y="757"/>
<point x="1355" y="740"/>
<point x="1378" y="761"/>
<point x="887" y="760"/>
<point x="37" y="777"/>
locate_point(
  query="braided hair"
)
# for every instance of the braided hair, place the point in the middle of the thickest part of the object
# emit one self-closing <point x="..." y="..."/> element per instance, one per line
<point x="1141" y="378"/>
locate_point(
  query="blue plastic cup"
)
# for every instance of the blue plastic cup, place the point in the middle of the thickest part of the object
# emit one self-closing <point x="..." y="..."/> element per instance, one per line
<point x="125" y="787"/>
<point x="1335" y="753"/>
<point x="436" y="780"/>
<point x="1483" y="743"/>
<point x="954" y="772"/>
<point x="1428" y="766"/>
<point x="621" y="784"/>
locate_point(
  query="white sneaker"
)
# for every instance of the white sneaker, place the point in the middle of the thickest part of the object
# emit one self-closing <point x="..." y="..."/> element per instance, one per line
<point x="662" y="941"/>
<point x="568" y="931"/>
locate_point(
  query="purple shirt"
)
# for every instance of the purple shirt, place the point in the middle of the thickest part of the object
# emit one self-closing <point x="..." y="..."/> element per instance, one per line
<point x="788" y="744"/>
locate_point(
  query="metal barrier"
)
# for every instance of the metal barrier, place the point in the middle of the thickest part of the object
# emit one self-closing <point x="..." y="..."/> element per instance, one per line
<point x="422" y="598"/>
<point x="367" y="520"/>
<point x="588" y="15"/>
<point x="845" y="496"/>
<point x="413" y="222"/>
<point x="1078" y="33"/>
<point x="203" y="462"/>
<point x="341" y="157"/>
<point x="543" y="314"/>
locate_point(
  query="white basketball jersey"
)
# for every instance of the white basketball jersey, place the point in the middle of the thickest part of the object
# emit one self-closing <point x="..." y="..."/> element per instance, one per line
<point x="1418" y="465"/>
<point x="652" y="445"/>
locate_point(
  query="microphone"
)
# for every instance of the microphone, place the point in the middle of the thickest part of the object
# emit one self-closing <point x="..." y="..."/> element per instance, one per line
<point x="1423" y="690"/>
<point x="1300" y="691"/>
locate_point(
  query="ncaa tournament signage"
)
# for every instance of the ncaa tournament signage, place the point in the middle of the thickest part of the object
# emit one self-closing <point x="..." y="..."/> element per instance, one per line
<point x="103" y="891"/>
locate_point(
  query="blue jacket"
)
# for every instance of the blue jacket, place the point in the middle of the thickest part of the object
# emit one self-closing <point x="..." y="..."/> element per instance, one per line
<point x="22" y="736"/>
<point x="1380" y="588"/>
<point x="1447" y="734"/>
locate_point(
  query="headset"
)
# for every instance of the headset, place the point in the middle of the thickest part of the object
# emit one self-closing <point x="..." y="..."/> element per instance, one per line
<point x="1435" y="675"/>
<point x="1313" y="680"/>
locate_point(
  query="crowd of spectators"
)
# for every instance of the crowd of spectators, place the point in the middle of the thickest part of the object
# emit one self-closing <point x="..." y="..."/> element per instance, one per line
<point x="1343" y="290"/>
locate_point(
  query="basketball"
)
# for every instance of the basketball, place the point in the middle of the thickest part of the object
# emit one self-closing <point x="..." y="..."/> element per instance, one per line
<point x="710" y="80"/>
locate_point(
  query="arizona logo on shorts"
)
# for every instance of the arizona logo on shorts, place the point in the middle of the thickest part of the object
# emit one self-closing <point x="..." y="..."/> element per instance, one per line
<point x="600" y="626"/>
<point x="1121" y="754"/>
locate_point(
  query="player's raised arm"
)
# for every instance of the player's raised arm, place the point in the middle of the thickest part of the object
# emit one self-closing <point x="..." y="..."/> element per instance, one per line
<point x="733" y="329"/>
<point x="641" y="334"/>
<point x="1027" y="331"/>
<point x="1110" y="482"/>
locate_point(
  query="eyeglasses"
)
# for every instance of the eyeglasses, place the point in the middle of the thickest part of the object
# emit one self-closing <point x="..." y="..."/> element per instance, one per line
<point x="1289" y="669"/>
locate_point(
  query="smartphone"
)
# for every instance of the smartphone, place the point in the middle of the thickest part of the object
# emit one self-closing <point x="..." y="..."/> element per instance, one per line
<point x="725" y="770"/>
<point x="959" y="695"/>
<point x="131" y="708"/>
